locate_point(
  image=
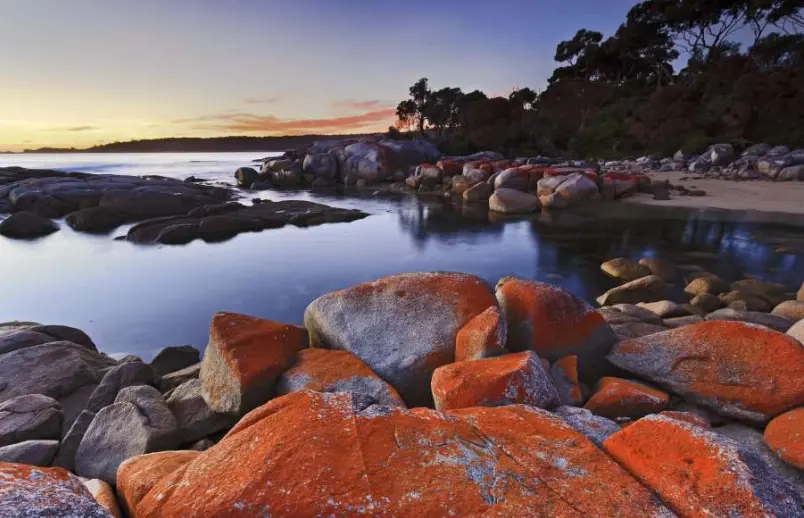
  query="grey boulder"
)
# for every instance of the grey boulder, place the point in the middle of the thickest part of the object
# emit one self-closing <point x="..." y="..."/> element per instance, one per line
<point x="55" y="369"/>
<point x="118" y="378"/>
<point x="194" y="417"/>
<point x="29" y="417"/>
<point x="594" y="427"/>
<point x="174" y="379"/>
<point x="36" y="453"/>
<point x="174" y="358"/>
<point x="65" y="457"/>
<point x="138" y="422"/>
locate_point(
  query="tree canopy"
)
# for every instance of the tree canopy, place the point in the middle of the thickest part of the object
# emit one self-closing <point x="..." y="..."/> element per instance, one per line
<point x="676" y="74"/>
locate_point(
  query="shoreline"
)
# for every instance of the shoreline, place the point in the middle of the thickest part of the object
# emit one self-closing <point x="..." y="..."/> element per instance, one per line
<point x="752" y="196"/>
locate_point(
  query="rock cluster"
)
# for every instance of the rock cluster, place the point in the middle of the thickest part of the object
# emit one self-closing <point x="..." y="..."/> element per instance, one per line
<point x="756" y="162"/>
<point x="168" y="211"/>
<point x="417" y="394"/>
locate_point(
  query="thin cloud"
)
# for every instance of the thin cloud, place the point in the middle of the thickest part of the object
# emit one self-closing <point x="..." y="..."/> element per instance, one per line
<point x="353" y="104"/>
<point x="263" y="100"/>
<point x="252" y="123"/>
<point x="82" y="128"/>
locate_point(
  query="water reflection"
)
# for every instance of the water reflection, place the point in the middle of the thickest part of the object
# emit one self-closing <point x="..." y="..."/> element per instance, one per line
<point x="137" y="299"/>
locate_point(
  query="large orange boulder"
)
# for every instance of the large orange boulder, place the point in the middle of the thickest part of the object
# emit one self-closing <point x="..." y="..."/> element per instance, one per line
<point x="316" y="454"/>
<point x="697" y="472"/>
<point x="244" y="359"/>
<point x="33" y="492"/>
<point x="554" y="323"/>
<point x="325" y="370"/>
<point x="738" y="370"/>
<point x="785" y="436"/>
<point x="505" y="380"/>
<point x="137" y="475"/>
<point x="404" y="326"/>
<point x="615" y="397"/>
<point x="484" y="336"/>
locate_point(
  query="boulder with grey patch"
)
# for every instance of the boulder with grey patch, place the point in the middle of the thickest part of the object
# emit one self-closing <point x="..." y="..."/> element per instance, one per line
<point x="29" y="417"/>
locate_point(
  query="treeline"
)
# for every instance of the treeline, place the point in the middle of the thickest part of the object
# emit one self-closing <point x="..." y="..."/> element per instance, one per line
<point x="191" y="145"/>
<point x="622" y="96"/>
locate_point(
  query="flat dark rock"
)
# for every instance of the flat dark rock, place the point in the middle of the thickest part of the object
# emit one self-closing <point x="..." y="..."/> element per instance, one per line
<point x="219" y="222"/>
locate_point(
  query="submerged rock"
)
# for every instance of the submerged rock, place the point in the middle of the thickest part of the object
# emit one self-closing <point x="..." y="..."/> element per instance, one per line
<point x="26" y="225"/>
<point x="221" y="222"/>
<point x="646" y="289"/>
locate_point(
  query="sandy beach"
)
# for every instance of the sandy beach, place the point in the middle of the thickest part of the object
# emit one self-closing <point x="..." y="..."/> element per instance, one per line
<point x="759" y="196"/>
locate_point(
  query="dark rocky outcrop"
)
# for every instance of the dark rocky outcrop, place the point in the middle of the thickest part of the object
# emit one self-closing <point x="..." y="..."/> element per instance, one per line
<point x="221" y="222"/>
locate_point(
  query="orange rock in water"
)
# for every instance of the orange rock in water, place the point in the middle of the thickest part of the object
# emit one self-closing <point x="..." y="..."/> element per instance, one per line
<point x="687" y="417"/>
<point x="137" y="475"/>
<point x="325" y="370"/>
<point x="404" y="326"/>
<point x="484" y="336"/>
<point x="697" y="472"/>
<point x="615" y="397"/>
<point x="505" y="380"/>
<point x="244" y="359"/>
<point x="554" y="323"/>
<point x="565" y="376"/>
<point x="104" y="495"/>
<point x="315" y="454"/>
<point x="738" y="370"/>
<point x="785" y="436"/>
<point x="37" y="492"/>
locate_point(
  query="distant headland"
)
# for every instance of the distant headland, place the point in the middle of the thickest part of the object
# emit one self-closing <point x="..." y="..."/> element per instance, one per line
<point x="194" y="144"/>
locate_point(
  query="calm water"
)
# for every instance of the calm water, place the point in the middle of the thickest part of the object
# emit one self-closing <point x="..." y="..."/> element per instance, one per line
<point x="137" y="299"/>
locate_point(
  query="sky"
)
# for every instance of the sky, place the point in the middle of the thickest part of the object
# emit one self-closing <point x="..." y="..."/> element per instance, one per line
<point x="85" y="72"/>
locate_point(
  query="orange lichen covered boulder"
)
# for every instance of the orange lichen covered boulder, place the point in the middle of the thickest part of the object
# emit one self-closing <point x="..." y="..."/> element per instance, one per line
<point x="505" y="380"/>
<point x="785" y="436"/>
<point x="738" y="370"/>
<point x="482" y="337"/>
<point x="137" y="475"/>
<point x="104" y="495"/>
<point x="316" y="454"/>
<point x="244" y="359"/>
<point x="325" y="370"/>
<point x="697" y="472"/>
<point x="565" y="377"/>
<point x="554" y="323"/>
<point x="615" y="397"/>
<point x="687" y="417"/>
<point x="450" y="167"/>
<point x="404" y="326"/>
<point x="30" y="491"/>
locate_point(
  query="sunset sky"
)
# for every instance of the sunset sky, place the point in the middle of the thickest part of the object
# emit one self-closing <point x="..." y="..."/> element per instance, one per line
<point x="84" y="72"/>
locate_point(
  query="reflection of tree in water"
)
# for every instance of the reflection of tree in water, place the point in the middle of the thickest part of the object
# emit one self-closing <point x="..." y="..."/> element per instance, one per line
<point x="445" y="222"/>
<point x="569" y="246"/>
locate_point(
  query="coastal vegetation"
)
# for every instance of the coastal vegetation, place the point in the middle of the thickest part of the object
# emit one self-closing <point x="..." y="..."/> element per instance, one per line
<point x="677" y="74"/>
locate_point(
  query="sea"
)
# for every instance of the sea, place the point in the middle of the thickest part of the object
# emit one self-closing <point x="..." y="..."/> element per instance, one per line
<point x="135" y="299"/>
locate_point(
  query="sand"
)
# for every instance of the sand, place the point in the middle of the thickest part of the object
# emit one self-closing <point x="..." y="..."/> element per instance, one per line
<point x="756" y="195"/>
